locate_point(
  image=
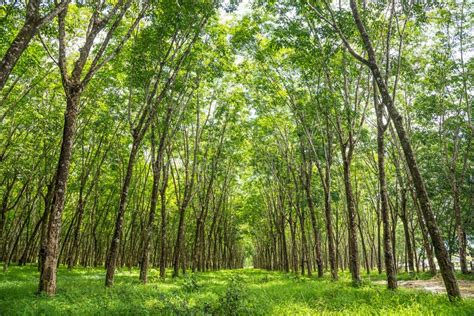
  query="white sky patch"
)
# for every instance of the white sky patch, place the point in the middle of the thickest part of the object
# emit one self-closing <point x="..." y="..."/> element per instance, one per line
<point x="244" y="8"/>
<point x="239" y="59"/>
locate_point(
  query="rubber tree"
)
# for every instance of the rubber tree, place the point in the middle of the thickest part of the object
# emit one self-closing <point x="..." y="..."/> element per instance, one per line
<point x="87" y="64"/>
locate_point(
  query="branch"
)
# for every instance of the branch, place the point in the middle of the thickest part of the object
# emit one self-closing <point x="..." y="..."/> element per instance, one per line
<point x="334" y="25"/>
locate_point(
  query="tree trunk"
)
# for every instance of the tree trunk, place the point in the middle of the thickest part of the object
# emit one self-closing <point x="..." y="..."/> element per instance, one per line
<point x="179" y="241"/>
<point x="48" y="269"/>
<point x="383" y="200"/>
<point x="424" y="234"/>
<point x="294" y="255"/>
<point x="459" y="225"/>
<point x="314" y="223"/>
<point x="114" y="246"/>
<point x="163" y="252"/>
<point x="73" y="253"/>
<point x="379" y="243"/>
<point x="445" y="264"/>
<point x="148" y="233"/>
<point x="406" y="230"/>
<point x="329" y="230"/>
<point x="24" y="257"/>
<point x="284" y="248"/>
<point x="352" y="230"/>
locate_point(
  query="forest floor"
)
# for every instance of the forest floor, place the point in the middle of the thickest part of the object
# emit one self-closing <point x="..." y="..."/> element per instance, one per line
<point x="227" y="292"/>
<point x="436" y="286"/>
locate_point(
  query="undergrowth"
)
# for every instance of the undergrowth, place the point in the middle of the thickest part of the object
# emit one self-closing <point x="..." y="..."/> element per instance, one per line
<point x="237" y="292"/>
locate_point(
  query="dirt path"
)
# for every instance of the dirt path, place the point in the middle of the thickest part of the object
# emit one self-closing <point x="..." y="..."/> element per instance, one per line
<point x="436" y="286"/>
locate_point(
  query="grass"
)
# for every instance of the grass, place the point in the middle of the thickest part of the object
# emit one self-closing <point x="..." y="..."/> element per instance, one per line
<point x="228" y="292"/>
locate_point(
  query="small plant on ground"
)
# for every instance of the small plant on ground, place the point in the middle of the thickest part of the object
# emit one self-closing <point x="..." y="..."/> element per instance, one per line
<point x="234" y="301"/>
<point x="190" y="283"/>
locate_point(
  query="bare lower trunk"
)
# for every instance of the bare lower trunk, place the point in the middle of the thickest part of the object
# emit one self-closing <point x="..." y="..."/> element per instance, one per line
<point x="379" y="243"/>
<point x="316" y="234"/>
<point x="24" y="257"/>
<point x="163" y="240"/>
<point x="461" y="235"/>
<point x="352" y="230"/>
<point x="426" y="244"/>
<point x="163" y="254"/>
<point x="406" y="230"/>
<point x="75" y="239"/>
<point x="179" y="242"/>
<point x="197" y="242"/>
<point x="284" y="248"/>
<point x="148" y="234"/>
<point x="329" y="231"/>
<point x="294" y="255"/>
<point x="48" y="269"/>
<point x="388" y="254"/>
<point x="112" y="256"/>
<point x="362" y="240"/>
<point x="305" y="259"/>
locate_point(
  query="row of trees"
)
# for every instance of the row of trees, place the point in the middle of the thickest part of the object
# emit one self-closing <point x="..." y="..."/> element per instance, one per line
<point x="370" y="136"/>
<point x="143" y="170"/>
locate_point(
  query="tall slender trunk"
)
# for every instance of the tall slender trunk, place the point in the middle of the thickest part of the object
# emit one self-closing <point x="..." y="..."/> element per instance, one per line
<point x="379" y="242"/>
<point x="178" y="249"/>
<point x="383" y="201"/>
<point x="424" y="234"/>
<point x="314" y="223"/>
<point x="163" y="235"/>
<point x="24" y="257"/>
<point x="114" y="246"/>
<point x="406" y="230"/>
<point x="198" y="241"/>
<point x="305" y="257"/>
<point x="461" y="235"/>
<point x="294" y="255"/>
<point x="329" y="229"/>
<point x="73" y="253"/>
<point x="48" y="200"/>
<point x="284" y="247"/>
<point x="47" y="281"/>
<point x="147" y="235"/>
<point x="352" y="231"/>
<point x="362" y="240"/>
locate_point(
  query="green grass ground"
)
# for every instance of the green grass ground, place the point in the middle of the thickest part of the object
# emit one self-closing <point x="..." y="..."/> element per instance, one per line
<point x="236" y="292"/>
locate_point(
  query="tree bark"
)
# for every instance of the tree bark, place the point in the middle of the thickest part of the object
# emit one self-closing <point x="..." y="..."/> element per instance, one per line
<point x="406" y="230"/>
<point x="163" y="235"/>
<point x="352" y="232"/>
<point x="383" y="200"/>
<point x="317" y="239"/>
<point x="114" y="246"/>
<point x="149" y="226"/>
<point x="461" y="235"/>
